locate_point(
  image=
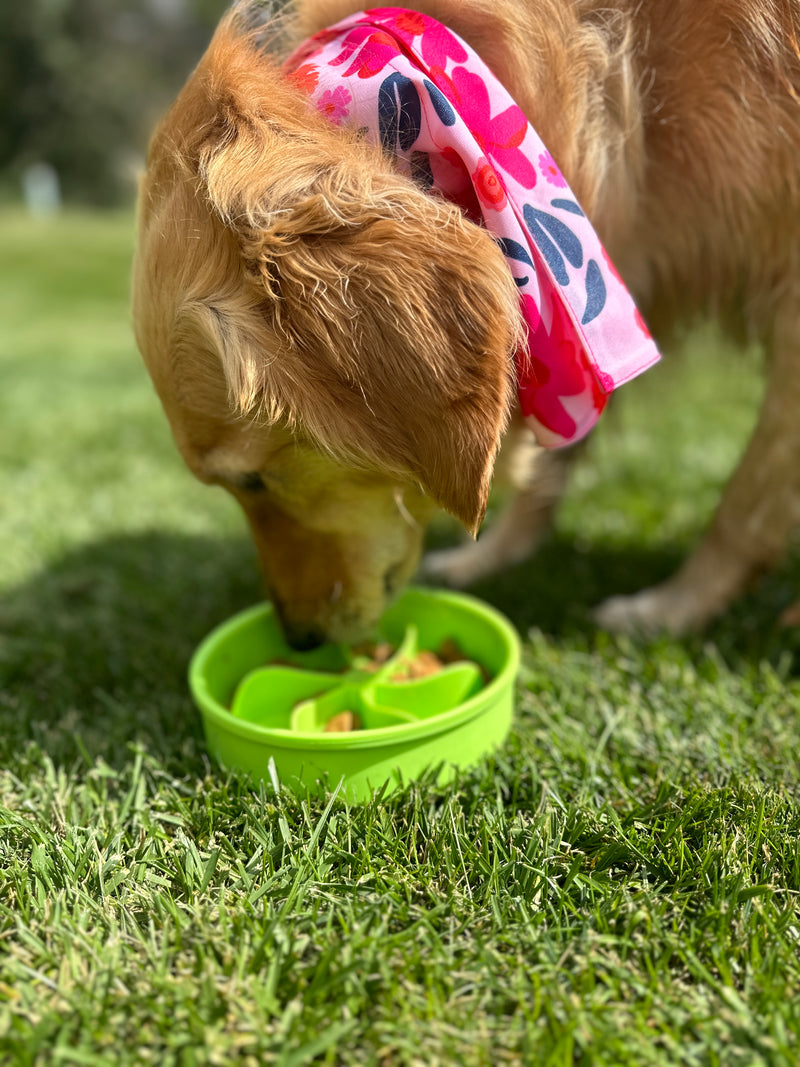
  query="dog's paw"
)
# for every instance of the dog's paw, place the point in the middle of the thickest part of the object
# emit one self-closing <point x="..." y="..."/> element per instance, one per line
<point x="457" y="567"/>
<point x="660" y="609"/>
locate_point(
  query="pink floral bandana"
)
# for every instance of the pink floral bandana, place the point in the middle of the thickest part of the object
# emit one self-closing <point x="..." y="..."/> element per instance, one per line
<point x="421" y="91"/>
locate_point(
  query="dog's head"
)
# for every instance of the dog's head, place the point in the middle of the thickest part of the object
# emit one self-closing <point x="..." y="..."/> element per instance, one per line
<point x="330" y="343"/>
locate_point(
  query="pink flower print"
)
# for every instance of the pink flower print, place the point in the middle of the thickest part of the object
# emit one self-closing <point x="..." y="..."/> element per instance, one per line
<point x="553" y="368"/>
<point x="369" y="50"/>
<point x="488" y="186"/>
<point x="605" y="380"/>
<point x="550" y="169"/>
<point x="531" y="314"/>
<point x="335" y="104"/>
<point x="437" y="44"/>
<point x="498" y="137"/>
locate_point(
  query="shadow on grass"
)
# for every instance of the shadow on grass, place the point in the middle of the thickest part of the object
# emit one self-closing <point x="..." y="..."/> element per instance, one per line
<point x="94" y="650"/>
<point x="557" y="590"/>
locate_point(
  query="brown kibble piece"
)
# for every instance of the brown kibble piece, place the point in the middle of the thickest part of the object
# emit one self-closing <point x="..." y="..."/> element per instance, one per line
<point x="377" y="655"/>
<point x="449" y="652"/>
<point x="343" y="723"/>
<point x="423" y="665"/>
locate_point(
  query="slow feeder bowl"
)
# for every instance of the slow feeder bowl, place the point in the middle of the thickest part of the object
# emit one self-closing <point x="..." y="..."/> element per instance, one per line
<point x="260" y="700"/>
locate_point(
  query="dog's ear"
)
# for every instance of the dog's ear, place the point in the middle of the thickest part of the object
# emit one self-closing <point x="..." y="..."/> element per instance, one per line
<point x="382" y="324"/>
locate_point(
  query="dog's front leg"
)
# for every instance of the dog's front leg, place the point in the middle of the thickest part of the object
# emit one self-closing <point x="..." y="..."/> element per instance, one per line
<point x="535" y="479"/>
<point x="752" y="525"/>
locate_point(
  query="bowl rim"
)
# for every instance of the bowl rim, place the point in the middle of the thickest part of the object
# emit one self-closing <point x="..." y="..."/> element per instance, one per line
<point x="383" y="736"/>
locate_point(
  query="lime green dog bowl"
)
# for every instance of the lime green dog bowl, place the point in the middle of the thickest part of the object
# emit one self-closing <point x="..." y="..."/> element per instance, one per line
<point x="262" y="703"/>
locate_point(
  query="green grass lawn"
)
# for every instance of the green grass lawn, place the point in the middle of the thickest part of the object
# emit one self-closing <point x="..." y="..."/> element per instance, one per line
<point x="618" y="886"/>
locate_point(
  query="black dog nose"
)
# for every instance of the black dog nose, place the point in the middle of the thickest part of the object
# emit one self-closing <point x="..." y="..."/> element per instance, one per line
<point x="303" y="638"/>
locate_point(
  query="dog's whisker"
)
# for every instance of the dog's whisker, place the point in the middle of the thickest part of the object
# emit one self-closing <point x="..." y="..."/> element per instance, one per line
<point x="401" y="507"/>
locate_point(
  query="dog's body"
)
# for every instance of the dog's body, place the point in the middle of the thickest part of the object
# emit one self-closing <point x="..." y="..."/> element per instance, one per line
<point x="334" y="345"/>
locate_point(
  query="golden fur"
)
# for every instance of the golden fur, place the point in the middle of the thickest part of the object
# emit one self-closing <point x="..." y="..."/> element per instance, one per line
<point x="334" y="346"/>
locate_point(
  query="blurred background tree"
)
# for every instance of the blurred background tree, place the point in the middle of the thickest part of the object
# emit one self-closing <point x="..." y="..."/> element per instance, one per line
<point x="83" y="81"/>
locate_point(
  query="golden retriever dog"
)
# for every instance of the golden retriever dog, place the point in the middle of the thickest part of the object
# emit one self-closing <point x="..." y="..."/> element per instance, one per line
<point x="334" y="345"/>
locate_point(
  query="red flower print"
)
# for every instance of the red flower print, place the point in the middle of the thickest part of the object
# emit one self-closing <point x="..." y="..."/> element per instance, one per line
<point x="488" y="186"/>
<point x="549" y="168"/>
<point x="335" y="104"/>
<point x="499" y="136"/>
<point x="305" y="78"/>
<point x="410" y="22"/>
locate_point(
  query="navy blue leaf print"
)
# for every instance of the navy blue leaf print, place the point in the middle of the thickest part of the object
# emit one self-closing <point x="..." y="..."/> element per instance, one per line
<point x="549" y="251"/>
<point x="441" y="105"/>
<point x="552" y="256"/>
<point x="567" y="205"/>
<point x="563" y="236"/>
<point x="399" y="112"/>
<point x="514" y="250"/>
<point x="595" y="292"/>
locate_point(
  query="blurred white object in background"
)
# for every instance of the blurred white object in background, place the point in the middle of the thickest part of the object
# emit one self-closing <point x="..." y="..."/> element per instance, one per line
<point x="41" y="189"/>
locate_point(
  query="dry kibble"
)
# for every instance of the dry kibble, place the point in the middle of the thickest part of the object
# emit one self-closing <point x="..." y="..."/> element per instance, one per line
<point x="423" y="665"/>
<point x="449" y="652"/>
<point x="377" y="655"/>
<point x="343" y="723"/>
